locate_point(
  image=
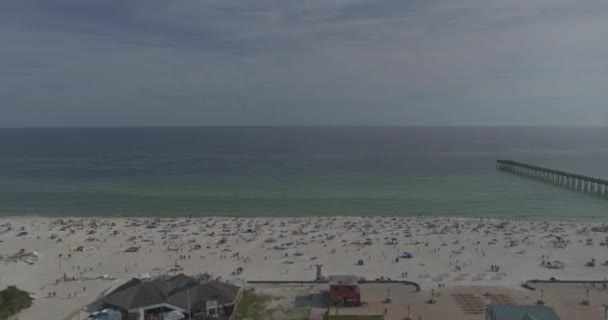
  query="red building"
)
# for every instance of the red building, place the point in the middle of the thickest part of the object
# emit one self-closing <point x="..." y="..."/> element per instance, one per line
<point x="344" y="290"/>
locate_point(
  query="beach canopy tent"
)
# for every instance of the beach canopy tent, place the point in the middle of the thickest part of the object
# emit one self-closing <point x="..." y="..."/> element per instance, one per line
<point x="515" y="312"/>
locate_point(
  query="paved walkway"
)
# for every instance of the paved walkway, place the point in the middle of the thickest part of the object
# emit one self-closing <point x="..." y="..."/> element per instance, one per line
<point x="316" y="313"/>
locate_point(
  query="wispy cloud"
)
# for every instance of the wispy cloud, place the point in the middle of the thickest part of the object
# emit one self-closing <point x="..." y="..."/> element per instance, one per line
<point x="100" y="62"/>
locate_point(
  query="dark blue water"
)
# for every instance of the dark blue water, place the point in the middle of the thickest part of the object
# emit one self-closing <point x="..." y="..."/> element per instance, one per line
<point x="295" y="171"/>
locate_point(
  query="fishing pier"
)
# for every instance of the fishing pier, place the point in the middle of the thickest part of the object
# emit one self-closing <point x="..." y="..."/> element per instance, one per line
<point x="572" y="181"/>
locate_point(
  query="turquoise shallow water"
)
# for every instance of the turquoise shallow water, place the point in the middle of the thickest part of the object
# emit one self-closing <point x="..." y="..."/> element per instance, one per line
<point x="295" y="171"/>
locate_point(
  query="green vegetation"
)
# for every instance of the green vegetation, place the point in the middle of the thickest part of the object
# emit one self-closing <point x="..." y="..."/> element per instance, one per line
<point x="13" y="300"/>
<point x="352" y="317"/>
<point x="252" y="306"/>
<point x="275" y="306"/>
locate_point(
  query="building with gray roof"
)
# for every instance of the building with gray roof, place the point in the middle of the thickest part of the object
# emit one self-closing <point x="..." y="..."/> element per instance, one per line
<point x="152" y="297"/>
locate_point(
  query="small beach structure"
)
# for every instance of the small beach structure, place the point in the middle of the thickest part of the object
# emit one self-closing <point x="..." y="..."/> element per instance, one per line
<point x="515" y="312"/>
<point x="344" y="290"/>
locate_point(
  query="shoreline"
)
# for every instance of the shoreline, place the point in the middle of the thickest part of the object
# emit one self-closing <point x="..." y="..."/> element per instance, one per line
<point x="590" y="219"/>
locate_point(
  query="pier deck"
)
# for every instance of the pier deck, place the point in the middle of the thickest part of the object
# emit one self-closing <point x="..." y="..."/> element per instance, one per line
<point x="564" y="179"/>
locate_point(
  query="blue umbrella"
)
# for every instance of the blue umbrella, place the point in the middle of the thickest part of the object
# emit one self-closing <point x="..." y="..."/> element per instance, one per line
<point x="407" y="255"/>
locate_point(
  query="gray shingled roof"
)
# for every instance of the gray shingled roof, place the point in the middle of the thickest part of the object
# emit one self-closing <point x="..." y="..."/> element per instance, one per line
<point x="134" y="294"/>
<point x="223" y="293"/>
<point x="137" y="293"/>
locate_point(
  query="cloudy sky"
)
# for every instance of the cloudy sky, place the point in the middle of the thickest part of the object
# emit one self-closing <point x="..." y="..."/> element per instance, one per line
<point x="303" y="62"/>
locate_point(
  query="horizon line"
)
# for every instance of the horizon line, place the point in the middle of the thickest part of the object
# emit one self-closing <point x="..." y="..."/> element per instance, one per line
<point x="311" y="126"/>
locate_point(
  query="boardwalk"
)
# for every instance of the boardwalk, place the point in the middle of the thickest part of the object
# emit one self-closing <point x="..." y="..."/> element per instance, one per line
<point x="565" y="179"/>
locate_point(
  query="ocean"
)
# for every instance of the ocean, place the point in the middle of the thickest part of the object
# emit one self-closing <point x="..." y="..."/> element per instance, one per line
<point x="296" y="171"/>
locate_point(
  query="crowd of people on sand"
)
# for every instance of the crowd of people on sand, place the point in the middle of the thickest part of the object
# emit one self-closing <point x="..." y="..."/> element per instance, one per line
<point x="441" y="251"/>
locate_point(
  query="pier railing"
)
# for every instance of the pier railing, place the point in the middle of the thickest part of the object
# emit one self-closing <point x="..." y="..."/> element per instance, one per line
<point x="564" y="179"/>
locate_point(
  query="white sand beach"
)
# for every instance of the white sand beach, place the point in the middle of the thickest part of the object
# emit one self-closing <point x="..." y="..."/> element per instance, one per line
<point x="67" y="263"/>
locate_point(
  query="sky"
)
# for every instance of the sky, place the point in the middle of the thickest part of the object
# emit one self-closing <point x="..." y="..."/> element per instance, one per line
<point x="303" y="62"/>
